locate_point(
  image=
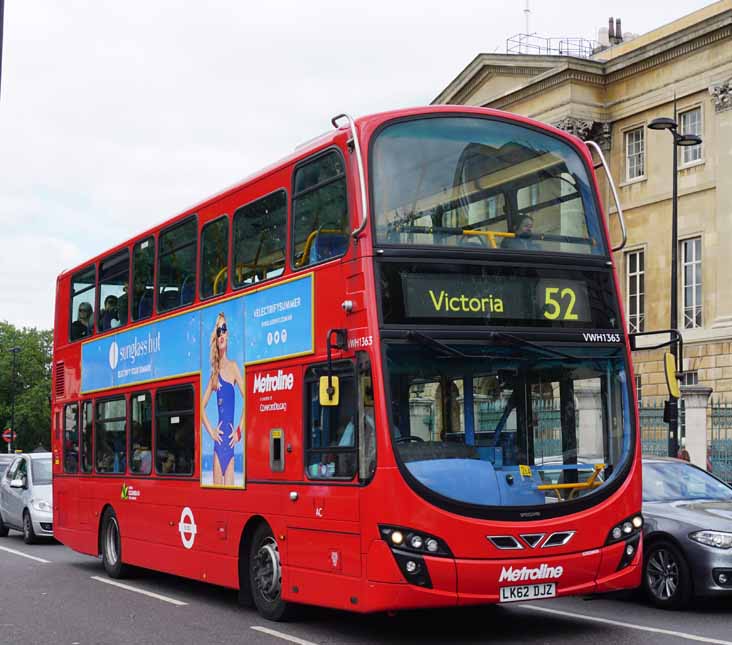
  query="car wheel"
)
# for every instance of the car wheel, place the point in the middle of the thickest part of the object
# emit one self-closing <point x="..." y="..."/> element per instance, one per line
<point x="112" y="546"/>
<point x="3" y="527"/>
<point x="666" y="576"/>
<point x="29" y="535"/>
<point x="265" y="576"/>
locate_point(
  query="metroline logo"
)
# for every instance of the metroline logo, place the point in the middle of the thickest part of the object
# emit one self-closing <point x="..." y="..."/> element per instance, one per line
<point x="270" y="383"/>
<point x="525" y="573"/>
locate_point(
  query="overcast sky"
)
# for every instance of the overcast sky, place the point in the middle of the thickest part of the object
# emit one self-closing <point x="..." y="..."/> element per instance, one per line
<point x="117" y="115"/>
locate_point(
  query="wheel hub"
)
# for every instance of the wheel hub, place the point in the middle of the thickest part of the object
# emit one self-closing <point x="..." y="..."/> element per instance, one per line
<point x="267" y="570"/>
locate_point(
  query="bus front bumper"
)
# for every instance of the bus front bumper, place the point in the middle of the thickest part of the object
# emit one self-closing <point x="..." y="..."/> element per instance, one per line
<point x="463" y="582"/>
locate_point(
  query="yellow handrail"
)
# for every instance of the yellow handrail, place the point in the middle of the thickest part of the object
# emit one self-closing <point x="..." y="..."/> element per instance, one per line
<point x="309" y="242"/>
<point x="491" y="235"/>
<point x="590" y="482"/>
<point x="217" y="278"/>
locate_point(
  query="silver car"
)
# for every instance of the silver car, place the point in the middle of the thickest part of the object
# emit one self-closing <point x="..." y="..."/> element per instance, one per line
<point x="687" y="533"/>
<point x="26" y="501"/>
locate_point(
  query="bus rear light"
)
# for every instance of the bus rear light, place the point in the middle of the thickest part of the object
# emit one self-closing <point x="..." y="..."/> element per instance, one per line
<point x="409" y="540"/>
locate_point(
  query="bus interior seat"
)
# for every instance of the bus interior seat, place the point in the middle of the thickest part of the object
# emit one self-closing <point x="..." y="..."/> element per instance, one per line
<point x="187" y="290"/>
<point x="169" y="299"/>
<point x="328" y="245"/>
<point x="145" y="307"/>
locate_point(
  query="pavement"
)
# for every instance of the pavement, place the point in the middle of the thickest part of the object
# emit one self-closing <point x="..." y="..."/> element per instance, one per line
<point x="50" y="594"/>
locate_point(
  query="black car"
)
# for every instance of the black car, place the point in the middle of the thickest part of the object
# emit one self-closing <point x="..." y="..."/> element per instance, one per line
<point x="687" y="533"/>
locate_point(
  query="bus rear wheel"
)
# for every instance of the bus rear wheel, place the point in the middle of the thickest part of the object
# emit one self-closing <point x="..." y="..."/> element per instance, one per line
<point x="112" y="546"/>
<point x="265" y="576"/>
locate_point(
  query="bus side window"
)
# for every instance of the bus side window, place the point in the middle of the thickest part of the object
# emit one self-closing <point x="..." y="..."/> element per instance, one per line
<point x="331" y="430"/>
<point x="71" y="438"/>
<point x="83" y="290"/>
<point x="367" y="426"/>
<point x="87" y="428"/>
<point x="177" y="265"/>
<point x="114" y="275"/>
<point x="260" y="237"/>
<point x="214" y="257"/>
<point x="110" y="445"/>
<point x="320" y="210"/>
<point x="141" y="433"/>
<point x="143" y="278"/>
<point x="174" y="432"/>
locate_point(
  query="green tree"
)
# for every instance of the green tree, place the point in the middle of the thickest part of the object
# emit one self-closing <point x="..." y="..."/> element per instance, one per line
<point x="32" y="385"/>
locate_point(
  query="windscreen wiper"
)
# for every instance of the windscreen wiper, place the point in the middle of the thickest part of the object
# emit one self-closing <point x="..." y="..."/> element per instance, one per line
<point x="428" y="341"/>
<point x="541" y="348"/>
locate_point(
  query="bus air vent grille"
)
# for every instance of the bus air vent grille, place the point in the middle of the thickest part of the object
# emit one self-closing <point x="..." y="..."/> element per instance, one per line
<point x="60" y="380"/>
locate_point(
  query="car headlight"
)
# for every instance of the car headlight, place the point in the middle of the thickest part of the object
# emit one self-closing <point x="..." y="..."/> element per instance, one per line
<point x="41" y="505"/>
<point x="718" y="539"/>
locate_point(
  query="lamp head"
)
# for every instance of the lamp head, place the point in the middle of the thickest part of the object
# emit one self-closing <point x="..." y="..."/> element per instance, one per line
<point x="662" y="123"/>
<point x="688" y="140"/>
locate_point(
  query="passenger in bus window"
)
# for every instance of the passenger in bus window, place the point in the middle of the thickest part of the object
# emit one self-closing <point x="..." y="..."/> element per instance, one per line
<point x="82" y="326"/>
<point x="523" y="239"/>
<point x="225" y="378"/>
<point x="168" y="466"/>
<point x="110" y="317"/>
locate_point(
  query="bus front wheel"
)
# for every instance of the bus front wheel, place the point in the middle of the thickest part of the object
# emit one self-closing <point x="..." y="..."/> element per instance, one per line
<point x="265" y="576"/>
<point x="112" y="546"/>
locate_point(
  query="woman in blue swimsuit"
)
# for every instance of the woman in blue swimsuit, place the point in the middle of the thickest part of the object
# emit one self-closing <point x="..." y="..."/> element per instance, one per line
<point x="225" y="377"/>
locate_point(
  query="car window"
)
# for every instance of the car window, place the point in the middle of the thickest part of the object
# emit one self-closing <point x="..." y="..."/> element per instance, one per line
<point x="13" y="467"/>
<point x="41" y="471"/>
<point x="21" y="470"/>
<point x="666" y="481"/>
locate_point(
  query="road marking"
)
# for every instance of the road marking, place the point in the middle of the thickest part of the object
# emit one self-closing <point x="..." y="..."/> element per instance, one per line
<point x="642" y="628"/>
<point x="24" y="555"/>
<point x="282" y="635"/>
<point x="114" y="583"/>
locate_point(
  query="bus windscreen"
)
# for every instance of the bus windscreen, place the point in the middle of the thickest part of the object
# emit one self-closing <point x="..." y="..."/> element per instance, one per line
<point x="482" y="183"/>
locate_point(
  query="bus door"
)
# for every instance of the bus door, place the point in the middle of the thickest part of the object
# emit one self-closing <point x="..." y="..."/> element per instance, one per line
<point x="323" y="526"/>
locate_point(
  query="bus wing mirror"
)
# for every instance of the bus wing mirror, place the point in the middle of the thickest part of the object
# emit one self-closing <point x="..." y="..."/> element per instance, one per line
<point x="672" y="382"/>
<point x="329" y="391"/>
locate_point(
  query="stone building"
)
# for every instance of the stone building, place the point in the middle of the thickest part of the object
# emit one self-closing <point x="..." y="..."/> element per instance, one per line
<point x="610" y="95"/>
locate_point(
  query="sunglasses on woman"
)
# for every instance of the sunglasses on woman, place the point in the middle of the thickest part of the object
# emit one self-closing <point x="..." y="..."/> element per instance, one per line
<point x="221" y="330"/>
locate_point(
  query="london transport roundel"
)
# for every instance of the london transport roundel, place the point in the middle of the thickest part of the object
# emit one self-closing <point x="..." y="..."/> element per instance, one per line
<point x="187" y="528"/>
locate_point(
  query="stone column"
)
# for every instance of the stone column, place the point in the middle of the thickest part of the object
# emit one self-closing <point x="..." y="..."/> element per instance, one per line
<point x="696" y="398"/>
<point x="720" y="143"/>
<point x="589" y="418"/>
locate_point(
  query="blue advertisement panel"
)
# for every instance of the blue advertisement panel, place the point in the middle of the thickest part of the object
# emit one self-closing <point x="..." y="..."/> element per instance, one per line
<point x="159" y="350"/>
<point x="279" y="321"/>
<point x="223" y="435"/>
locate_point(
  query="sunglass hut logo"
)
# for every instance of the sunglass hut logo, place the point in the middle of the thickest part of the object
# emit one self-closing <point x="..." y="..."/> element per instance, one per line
<point x="273" y="383"/>
<point x="136" y="350"/>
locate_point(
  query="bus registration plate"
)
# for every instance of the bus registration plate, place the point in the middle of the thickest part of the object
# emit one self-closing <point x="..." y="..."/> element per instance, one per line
<point x="528" y="592"/>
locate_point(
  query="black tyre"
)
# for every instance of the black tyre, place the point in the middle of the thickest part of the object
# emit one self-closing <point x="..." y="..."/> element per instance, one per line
<point x="265" y="576"/>
<point x="3" y="527"/>
<point x="111" y="544"/>
<point x="29" y="535"/>
<point x="666" y="576"/>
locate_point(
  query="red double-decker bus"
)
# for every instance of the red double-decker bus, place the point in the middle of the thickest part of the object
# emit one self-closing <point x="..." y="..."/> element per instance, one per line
<point x="390" y="371"/>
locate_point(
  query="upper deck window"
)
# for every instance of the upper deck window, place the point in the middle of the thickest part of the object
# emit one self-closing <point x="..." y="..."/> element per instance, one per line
<point x="320" y="211"/>
<point x="83" y="297"/>
<point x="482" y="184"/>
<point x="177" y="266"/>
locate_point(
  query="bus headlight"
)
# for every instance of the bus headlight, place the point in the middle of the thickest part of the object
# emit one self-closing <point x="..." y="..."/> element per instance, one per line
<point x="409" y="540"/>
<point x="628" y="528"/>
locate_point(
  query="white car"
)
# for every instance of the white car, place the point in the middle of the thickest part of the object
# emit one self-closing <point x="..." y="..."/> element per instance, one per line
<point x="26" y="500"/>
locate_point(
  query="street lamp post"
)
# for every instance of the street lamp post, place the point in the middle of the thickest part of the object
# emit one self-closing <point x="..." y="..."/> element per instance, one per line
<point x="665" y="123"/>
<point x="14" y="351"/>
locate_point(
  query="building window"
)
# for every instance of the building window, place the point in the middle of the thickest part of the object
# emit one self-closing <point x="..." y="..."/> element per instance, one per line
<point x="634" y="153"/>
<point x="638" y="387"/>
<point x="691" y="282"/>
<point x="691" y="124"/>
<point x="635" y="290"/>
<point x="690" y="377"/>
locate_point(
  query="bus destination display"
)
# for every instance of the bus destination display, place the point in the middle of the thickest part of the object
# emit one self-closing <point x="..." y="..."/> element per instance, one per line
<point x="495" y="297"/>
